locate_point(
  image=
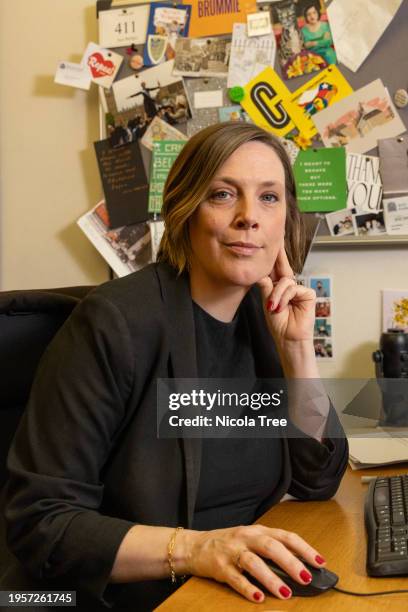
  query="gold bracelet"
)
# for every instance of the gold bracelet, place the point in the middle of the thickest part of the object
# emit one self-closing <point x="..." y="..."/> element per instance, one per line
<point x="170" y="548"/>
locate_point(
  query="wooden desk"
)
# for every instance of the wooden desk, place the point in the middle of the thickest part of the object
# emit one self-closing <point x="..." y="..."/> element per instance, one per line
<point x="336" y="529"/>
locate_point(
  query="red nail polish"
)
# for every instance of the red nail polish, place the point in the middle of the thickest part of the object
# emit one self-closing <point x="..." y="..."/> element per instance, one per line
<point x="269" y="305"/>
<point x="320" y="559"/>
<point x="305" y="576"/>
<point x="285" y="592"/>
<point x="258" y="596"/>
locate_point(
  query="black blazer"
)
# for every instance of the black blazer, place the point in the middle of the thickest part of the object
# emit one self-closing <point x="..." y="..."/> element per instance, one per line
<point x="86" y="463"/>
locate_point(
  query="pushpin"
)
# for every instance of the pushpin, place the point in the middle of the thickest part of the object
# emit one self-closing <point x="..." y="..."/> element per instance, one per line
<point x="236" y="94"/>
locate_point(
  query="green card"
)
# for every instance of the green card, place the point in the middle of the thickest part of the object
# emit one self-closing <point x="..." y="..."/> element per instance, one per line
<point x="163" y="155"/>
<point x="320" y="176"/>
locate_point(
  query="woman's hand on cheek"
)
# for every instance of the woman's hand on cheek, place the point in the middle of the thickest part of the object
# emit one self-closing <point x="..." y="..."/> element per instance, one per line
<point x="289" y="308"/>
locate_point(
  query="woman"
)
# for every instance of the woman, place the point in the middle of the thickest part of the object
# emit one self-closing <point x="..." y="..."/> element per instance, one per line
<point x="317" y="35"/>
<point x="94" y="496"/>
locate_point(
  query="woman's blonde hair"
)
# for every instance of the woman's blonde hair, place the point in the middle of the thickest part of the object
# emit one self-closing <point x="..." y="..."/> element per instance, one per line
<point x="188" y="183"/>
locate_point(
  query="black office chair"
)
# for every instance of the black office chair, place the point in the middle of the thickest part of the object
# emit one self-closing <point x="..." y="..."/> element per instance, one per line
<point x="28" y="321"/>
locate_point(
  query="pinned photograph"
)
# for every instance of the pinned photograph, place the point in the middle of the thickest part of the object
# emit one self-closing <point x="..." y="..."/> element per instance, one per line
<point x="153" y="93"/>
<point x="126" y="249"/>
<point x="323" y="308"/>
<point x="322" y="328"/>
<point x="394" y="310"/>
<point x="160" y="130"/>
<point x="302" y="30"/>
<point x="231" y="113"/>
<point x="202" y="56"/>
<point x="358" y="121"/>
<point x="340" y="222"/>
<point x="323" y="348"/>
<point x="322" y="287"/>
<point x="369" y="224"/>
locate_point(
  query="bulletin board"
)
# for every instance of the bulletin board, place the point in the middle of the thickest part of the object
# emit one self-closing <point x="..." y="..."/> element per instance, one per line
<point x="134" y="243"/>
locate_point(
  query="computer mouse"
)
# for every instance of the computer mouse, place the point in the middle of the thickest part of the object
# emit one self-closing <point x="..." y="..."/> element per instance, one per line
<point x="322" y="580"/>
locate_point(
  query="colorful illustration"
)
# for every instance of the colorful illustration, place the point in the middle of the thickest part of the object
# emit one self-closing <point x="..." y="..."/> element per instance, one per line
<point x="166" y="23"/>
<point x="302" y="30"/>
<point x="323" y="90"/>
<point x="395" y="310"/>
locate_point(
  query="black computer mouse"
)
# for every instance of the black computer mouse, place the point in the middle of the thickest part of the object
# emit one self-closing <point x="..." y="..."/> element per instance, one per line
<point x="322" y="580"/>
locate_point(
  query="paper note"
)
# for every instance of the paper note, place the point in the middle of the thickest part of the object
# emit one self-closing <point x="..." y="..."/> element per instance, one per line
<point x="259" y="24"/>
<point x="249" y="56"/>
<point x="321" y="180"/>
<point x="73" y="75"/>
<point x="121" y="27"/>
<point x="208" y="99"/>
<point x="396" y="215"/>
<point x="357" y="25"/>
<point x="124" y="182"/>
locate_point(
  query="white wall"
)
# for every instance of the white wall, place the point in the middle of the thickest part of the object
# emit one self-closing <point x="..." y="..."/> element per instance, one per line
<point x="359" y="274"/>
<point x="48" y="171"/>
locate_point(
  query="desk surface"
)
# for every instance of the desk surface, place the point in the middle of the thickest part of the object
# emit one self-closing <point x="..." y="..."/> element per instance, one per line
<point x="336" y="529"/>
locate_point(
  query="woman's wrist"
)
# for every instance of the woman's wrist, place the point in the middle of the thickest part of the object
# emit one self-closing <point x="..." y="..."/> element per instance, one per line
<point x="298" y="359"/>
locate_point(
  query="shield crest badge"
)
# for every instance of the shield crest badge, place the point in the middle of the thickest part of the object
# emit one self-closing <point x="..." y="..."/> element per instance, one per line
<point x="156" y="47"/>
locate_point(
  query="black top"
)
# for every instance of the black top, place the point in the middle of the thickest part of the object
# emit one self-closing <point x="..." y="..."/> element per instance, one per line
<point x="238" y="474"/>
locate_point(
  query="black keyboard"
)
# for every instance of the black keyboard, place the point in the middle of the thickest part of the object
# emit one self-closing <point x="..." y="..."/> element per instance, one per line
<point x="386" y="513"/>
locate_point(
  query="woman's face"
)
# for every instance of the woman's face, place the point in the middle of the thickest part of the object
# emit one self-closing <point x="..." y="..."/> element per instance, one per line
<point x="237" y="231"/>
<point x="312" y="16"/>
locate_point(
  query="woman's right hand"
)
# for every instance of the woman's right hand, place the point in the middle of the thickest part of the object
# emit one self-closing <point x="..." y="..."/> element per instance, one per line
<point x="224" y="554"/>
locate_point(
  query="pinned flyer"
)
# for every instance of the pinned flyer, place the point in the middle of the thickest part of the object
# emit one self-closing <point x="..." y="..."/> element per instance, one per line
<point x="103" y="64"/>
<point x="259" y="24"/>
<point x="72" y="75"/>
<point x="267" y="102"/>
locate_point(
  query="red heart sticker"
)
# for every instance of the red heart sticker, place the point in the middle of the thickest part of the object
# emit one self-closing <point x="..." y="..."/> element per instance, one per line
<point x="99" y="66"/>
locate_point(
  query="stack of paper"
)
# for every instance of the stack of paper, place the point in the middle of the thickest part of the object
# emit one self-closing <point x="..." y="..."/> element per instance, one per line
<point x="375" y="451"/>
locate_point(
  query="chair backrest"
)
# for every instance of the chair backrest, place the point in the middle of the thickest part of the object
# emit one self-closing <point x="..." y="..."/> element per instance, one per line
<point x="28" y="322"/>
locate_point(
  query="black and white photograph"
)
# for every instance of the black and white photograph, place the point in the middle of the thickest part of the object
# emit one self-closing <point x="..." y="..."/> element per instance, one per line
<point x="155" y="92"/>
<point x="369" y="224"/>
<point x="340" y="222"/>
<point x="202" y="57"/>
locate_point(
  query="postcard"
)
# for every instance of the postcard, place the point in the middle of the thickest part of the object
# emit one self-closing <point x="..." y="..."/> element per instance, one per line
<point x="358" y="121"/>
<point x="164" y="154"/>
<point x="267" y="102"/>
<point x="160" y="130"/>
<point x="340" y="222"/>
<point x="396" y="215"/>
<point x="166" y="23"/>
<point x="197" y="57"/>
<point x="363" y="182"/>
<point x="154" y="92"/>
<point x="320" y="176"/>
<point x="126" y="249"/>
<point x="103" y="64"/>
<point x="369" y="224"/>
<point x="249" y="55"/>
<point x="323" y="90"/>
<point x="357" y="25"/>
<point x="395" y="310"/>
<point x="209" y="18"/>
<point x="303" y="35"/>
<point x="124" y="182"/>
<point x="393" y="164"/>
